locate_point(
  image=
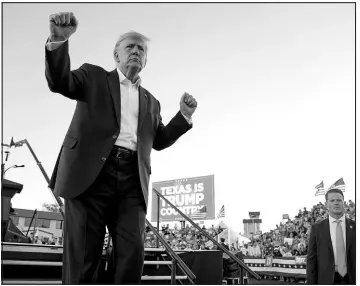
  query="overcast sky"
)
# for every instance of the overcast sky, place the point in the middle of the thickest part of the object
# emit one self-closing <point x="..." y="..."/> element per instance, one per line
<point x="275" y="85"/>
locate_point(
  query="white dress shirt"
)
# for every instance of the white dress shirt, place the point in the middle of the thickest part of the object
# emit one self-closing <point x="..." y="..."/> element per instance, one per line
<point x="333" y="224"/>
<point x="129" y="112"/>
<point x="54" y="45"/>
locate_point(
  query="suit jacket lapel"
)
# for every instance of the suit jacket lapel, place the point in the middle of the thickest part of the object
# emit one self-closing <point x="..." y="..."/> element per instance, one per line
<point x="349" y="234"/>
<point x="114" y="85"/>
<point x="143" y="104"/>
<point x="328" y="235"/>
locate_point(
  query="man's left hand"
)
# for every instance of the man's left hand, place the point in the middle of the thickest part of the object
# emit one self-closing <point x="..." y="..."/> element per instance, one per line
<point x="188" y="104"/>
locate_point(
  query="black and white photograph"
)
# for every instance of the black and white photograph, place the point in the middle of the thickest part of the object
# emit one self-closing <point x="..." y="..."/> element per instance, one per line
<point x="178" y="143"/>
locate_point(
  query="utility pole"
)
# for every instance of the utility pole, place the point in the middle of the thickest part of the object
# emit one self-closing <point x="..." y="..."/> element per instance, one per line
<point x="31" y="223"/>
<point x="6" y="158"/>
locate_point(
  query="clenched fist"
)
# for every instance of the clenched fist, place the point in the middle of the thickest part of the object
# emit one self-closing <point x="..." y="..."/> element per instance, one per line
<point x="188" y="104"/>
<point x="62" y="26"/>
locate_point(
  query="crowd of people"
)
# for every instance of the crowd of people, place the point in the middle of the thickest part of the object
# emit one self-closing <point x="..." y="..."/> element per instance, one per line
<point x="44" y="240"/>
<point x="291" y="238"/>
<point x="187" y="238"/>
<point x="34" y="240"/>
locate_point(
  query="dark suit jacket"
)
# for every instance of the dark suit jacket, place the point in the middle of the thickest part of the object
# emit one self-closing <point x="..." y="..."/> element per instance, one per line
<point x="320" y="267"/>
<point x="95" y="125"/>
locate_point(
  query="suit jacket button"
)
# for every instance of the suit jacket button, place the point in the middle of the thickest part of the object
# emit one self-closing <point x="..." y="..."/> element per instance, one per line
<point x="103" y="159"/>
<point x="115" y="136"/>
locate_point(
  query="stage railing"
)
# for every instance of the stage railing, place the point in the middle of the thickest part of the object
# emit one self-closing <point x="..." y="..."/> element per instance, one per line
<point x="175" y="258"/>
<point x="243" y="266"/>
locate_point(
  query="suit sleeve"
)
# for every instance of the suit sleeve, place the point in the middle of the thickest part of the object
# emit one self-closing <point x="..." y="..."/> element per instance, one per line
<point x="167" y="135"/>
<point x="60" y="78"/>
<point x="312" y="259"/>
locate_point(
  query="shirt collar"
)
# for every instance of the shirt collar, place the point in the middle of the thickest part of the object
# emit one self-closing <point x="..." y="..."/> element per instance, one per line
<point x="331" y="219"/>
<point x="125" y="80"/>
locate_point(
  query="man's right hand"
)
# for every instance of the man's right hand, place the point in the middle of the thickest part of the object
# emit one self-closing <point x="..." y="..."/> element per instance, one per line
<point x="62" y="26"/>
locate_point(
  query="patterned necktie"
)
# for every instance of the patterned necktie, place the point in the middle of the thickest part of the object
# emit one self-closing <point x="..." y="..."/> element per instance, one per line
<point x="340" y="250"/>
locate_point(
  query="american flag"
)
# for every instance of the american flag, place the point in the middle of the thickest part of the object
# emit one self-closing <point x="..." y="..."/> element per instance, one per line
<point x="221" y="212"/>
<point x="339" y="184"/>
<point x="320" y="186"/>
<point x="319" y="192"/>
<point x="320" y="189"/>
<point x="209" y="244"/>
<point x="199" y="214"/>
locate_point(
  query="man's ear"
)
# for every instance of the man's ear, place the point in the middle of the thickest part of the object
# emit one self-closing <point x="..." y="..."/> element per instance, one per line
<point x="117" y="57"/>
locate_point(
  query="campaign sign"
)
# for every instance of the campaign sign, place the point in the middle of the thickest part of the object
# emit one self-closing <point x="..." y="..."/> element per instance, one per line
<point x="300" y="260"/>
<point x="288" y="240"/>
<point x="192" y="196"/>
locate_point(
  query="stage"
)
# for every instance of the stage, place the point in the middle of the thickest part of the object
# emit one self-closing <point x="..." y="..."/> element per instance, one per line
<point x="32" y="262"/>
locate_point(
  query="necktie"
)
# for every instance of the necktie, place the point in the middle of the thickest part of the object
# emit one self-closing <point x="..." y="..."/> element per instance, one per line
<point x="340" y="250"/>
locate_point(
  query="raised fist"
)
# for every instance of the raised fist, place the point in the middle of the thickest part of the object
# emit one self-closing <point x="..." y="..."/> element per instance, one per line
<point x="188" y="104"/>
<point x="62" y="26"/>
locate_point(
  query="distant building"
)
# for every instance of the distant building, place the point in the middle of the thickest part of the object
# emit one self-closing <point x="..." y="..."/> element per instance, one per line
<point x="48" y="225"/>
<point x="252" y="226"/>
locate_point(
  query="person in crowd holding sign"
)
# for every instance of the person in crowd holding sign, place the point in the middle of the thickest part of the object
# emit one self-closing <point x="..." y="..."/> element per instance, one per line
<point x="301" y="250"/>
<point x="331" y="255"/>
<point x="103" y="167"/>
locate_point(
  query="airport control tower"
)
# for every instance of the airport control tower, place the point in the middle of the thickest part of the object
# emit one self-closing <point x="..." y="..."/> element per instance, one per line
<point x="252" y="224"/>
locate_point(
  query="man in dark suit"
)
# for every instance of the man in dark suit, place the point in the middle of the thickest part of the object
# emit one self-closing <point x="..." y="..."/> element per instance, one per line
<point x="331" y="257"/>
<point x="103" y="167"/>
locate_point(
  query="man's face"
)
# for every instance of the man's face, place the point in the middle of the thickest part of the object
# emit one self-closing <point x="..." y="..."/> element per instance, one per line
<point x="335" y="204"/>
<point x="132" y="54"/>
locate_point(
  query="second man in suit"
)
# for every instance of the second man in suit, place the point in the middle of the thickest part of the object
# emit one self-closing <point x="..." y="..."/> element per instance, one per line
<point x="331" y="257"/>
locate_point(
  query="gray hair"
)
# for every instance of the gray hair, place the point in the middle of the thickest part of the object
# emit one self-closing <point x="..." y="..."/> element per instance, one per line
<point x="130" y="34"/>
